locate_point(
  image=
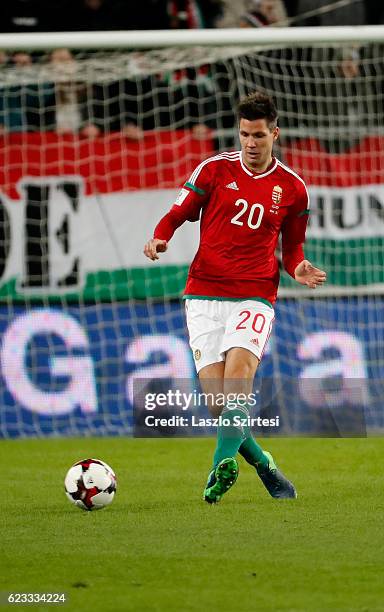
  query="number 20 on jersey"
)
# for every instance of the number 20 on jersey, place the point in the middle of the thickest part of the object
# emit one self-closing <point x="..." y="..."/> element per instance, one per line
<point x="252" y="216"/>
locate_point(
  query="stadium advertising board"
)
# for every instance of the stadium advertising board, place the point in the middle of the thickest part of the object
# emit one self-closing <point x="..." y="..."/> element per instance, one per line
<point x="71" y="371"/>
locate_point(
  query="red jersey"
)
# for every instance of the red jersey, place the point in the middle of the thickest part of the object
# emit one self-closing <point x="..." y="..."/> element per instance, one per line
<point x="241" y="216"/>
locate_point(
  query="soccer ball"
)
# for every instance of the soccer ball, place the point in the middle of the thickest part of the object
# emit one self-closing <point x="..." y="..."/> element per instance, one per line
<point x="90" y="484"/>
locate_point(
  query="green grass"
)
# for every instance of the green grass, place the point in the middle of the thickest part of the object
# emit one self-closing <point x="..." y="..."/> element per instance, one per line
<point x="159" y="547"/>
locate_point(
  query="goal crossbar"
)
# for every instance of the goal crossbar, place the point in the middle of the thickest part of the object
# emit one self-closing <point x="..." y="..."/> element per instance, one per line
<point x="189" y="38"/>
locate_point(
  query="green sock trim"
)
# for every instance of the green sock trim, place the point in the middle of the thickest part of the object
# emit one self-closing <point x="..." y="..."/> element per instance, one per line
<point x="253" y="453"/>
<point x="230" y="435"/>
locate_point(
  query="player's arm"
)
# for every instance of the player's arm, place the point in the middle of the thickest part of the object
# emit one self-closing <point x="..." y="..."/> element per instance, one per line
<point x="293" y="238"/>
<point x="187" y="207"/>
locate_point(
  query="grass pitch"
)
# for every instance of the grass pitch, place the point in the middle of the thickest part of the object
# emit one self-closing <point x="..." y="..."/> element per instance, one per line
<point x="159" y="547"/>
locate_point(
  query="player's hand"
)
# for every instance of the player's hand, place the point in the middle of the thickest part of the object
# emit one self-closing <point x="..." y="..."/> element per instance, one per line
<point x="155" y="246"/>
<point x="307" y="274"/>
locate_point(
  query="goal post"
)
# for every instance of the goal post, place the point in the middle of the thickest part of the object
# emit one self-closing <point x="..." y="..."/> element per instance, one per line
<point x="95" y="142"/>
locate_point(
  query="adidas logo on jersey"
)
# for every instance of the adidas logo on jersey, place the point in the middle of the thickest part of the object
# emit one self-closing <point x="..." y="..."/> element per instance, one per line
<point x="232" y="186"/>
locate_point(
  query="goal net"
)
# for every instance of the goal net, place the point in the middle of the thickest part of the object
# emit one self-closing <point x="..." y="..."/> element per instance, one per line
<point x="94" y="147"/>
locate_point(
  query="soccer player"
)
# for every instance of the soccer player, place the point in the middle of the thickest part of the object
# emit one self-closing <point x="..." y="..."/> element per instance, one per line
<point x="244" y="200"/>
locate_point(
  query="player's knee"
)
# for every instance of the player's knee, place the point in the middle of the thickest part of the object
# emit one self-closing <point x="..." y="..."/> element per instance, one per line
<point x="240" y="364"/>
<point x="242" y="370"/>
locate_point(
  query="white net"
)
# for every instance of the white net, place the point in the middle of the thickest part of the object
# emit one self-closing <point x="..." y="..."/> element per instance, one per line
<point x="93" y="149"/>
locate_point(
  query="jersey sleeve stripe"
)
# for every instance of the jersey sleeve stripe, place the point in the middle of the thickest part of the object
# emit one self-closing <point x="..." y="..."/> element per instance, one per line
<point x="228" y="156"/>
<point x="194" y="188"/>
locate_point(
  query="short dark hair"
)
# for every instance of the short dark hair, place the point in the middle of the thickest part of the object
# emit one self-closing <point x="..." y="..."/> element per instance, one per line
<point x="258" y="105"/>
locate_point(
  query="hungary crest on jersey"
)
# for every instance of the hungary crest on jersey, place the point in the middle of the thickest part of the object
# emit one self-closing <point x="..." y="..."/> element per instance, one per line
<point x="277" y="194"/>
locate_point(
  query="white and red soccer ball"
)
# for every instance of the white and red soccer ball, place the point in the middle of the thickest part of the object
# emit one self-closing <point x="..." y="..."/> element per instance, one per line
<point x="90" y="484"/>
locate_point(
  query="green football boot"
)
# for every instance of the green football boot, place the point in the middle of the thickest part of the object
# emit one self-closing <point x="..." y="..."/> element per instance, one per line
<point x="277" y="485"/>
<point x="220" y="480"/>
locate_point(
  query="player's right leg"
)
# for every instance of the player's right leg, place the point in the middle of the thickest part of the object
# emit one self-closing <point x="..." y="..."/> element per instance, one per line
<point x="233" y="428"/>
<point x="220" y="480"/>
<point x="206" y="329"/>
<point x="225" y="467"/>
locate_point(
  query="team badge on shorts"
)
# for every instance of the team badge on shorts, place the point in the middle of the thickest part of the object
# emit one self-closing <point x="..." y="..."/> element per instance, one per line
<point x="197" y="354"/>
<point x="277" y="194"/>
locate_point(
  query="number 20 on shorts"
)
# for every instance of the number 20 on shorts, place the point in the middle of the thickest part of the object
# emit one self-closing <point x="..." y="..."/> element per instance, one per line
<point x="258" y="321"/>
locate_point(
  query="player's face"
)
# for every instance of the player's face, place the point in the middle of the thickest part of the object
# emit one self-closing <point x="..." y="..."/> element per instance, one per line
<point x="256" y="139"/>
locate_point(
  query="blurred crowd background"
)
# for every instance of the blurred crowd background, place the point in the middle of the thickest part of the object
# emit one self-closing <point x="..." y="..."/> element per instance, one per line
<point x="315" y="89"/>
<point x="88" y="15"/>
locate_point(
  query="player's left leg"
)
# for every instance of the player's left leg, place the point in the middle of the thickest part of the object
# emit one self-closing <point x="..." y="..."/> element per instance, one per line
<point x="247" y="332"/>
<point x="277" y="485"/>
<point x="240" y="370"/>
